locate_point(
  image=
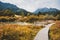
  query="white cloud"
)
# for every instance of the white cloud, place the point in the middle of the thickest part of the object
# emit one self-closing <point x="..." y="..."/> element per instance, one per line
<point x="32" y="5"/>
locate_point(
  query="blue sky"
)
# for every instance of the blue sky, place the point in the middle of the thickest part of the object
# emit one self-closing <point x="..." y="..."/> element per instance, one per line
<point x="32" y="5"/>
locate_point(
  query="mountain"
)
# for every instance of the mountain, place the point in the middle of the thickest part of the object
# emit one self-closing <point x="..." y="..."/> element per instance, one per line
<point x="4" y="6"/>
<point x="12" y="7"/>
<point x="43" y="10"/>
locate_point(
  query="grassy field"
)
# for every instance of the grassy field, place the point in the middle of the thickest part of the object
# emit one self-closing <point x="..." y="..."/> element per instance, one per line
<point x="18" y="32"/>
<point x="54" y="32"/>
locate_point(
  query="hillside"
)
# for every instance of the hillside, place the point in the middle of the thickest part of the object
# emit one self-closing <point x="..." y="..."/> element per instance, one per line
<point x="50" y="11"/>
<point x="13" y="8"/>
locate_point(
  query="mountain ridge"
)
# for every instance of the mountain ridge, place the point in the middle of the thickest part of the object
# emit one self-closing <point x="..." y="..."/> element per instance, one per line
<point x="12" y="7"/>
<point x="46" y="10"/>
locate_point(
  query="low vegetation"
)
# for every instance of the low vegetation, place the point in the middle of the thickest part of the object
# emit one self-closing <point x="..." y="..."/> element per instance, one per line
<point x="54" y="32"/>
<point x="18" y="32"/>
<point x="8" y="15"/>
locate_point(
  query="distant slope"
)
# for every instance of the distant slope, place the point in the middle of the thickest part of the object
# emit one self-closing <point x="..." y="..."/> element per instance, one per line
<point x="4" y="6"/>
<point x="47" y="10"/>
<point x="12" y="7"/>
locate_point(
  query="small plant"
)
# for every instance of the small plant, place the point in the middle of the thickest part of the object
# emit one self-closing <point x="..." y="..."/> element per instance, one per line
<point x="18" y="32"/>
<point x="54" y="32"/>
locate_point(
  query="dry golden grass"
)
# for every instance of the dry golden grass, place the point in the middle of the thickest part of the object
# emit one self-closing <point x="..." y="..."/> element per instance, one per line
<point x="55" y="31"/>
<point x="18" y="32"/>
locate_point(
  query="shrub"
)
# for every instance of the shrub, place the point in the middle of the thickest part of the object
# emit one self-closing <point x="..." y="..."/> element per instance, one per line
<point x="18" y="32"/>
<point x="54" y="32"/>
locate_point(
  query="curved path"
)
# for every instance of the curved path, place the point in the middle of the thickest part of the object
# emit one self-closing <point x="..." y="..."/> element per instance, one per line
<point x="43" y="34"/>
